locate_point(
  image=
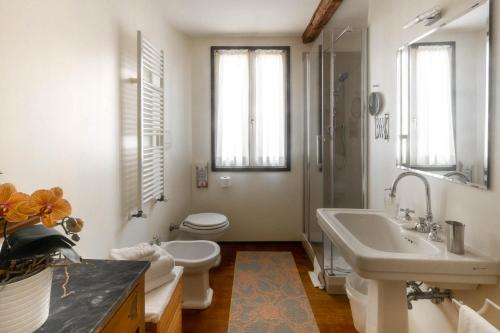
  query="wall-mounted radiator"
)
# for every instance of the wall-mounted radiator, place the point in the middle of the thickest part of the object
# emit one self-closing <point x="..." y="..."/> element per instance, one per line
<point x="150" y="123"/>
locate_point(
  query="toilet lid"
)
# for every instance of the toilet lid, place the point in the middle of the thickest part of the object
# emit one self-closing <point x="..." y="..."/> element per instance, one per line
<point x="206" y="221"/>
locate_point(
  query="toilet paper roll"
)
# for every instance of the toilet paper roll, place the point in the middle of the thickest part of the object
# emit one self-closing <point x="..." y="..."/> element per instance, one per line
<point x="225" y="181"/>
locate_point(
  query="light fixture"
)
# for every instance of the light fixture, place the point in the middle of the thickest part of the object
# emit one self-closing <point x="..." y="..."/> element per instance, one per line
<point x="429" y="17"/>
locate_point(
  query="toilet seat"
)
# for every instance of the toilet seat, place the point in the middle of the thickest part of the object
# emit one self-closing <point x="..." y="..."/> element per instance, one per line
<point x="205" y="223"/>
<point x="206" y="220"/>
<point x="189" y="225"/>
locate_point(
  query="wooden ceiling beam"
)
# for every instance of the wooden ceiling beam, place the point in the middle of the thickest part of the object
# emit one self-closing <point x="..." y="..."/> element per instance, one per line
<point x="322" y="15"/>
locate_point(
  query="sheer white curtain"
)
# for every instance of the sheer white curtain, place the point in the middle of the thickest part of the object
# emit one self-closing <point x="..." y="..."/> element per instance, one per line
<point x="232" y="108"/>
<point x="433" y="135"/>
<point x="270" y="108"/>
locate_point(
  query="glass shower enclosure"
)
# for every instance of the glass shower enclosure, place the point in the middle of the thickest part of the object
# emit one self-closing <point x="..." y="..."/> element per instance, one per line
<point x="335" y="127"/>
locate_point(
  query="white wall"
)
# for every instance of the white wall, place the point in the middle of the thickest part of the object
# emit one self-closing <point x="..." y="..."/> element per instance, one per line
<point x="479" y="210"/>
<point x="67" y="111"/>
<point x="260" y="205"/>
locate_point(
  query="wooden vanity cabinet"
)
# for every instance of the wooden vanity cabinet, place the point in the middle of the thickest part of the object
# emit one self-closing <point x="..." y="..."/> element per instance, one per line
<point x="129" y="318"/>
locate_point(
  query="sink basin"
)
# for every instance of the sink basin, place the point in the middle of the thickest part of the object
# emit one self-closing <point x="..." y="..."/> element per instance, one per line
<point x="376" y="232"/>
<point x="378" y="248"/>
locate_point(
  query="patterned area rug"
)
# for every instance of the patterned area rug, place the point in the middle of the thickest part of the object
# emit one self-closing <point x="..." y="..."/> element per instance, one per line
<point x="268" y="295"/>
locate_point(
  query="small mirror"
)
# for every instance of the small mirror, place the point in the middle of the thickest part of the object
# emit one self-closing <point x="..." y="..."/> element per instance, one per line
<point x="443" y="94"/>
<point x="374" y="103"/>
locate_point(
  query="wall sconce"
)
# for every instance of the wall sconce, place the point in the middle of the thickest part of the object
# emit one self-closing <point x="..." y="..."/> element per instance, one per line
<point x="429" y="17"/>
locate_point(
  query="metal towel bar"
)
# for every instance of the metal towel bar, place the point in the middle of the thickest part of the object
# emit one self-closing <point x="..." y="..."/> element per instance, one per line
<point x="488" y="303"/>
<point x="150" y="124"/>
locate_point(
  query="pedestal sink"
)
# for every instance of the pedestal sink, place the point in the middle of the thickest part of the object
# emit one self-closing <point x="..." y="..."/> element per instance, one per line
<point x="380" y="250"/>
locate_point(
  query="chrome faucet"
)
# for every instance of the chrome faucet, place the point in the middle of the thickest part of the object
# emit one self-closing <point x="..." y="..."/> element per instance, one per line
<point x="156" y="240"/>
<point x="425" y="224"/>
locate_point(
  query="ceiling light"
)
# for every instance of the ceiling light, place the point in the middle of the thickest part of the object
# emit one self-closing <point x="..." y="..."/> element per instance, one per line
<point x="429" y="17"/>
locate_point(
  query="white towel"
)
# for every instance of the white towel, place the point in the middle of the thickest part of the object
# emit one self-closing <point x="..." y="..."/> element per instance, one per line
<point x="158" y="299"/>
<point x="142" y="251"/>
<point x="160" y="251"/>
<point x="159" y="272"/>
<point x="469" y="321"/>
<point x="153" y="283"/>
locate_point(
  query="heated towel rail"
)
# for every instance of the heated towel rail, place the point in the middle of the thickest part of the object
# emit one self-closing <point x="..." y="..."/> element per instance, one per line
<point x="150" y="123"/>
<point x="488" y="303"/>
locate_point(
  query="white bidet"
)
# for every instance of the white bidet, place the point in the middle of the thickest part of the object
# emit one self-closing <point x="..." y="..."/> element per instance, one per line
<point x="197" y="257"/>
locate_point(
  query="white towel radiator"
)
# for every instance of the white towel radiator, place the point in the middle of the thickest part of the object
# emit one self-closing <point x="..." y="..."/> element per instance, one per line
<point x="150" y="124"/>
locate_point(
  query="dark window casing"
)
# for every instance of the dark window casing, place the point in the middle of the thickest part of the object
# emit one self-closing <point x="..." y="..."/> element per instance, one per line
<point x="287" y="167"/>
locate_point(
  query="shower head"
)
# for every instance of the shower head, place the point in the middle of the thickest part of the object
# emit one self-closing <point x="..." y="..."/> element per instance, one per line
<point x="343" y="76"/>
<point x="346" y="29"/>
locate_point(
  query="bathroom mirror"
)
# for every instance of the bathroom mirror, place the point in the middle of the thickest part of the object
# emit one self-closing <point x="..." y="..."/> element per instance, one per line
<point x="443" y="90"/>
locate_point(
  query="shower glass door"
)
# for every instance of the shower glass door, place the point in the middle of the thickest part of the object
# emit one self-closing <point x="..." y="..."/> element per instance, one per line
<point x="313" y="149"/>
<point x="348" y="120"/>
<point x="335" y="134"/>
<point x="348" y="123"/>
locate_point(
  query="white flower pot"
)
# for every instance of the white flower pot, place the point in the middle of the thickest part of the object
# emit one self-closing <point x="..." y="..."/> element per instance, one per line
<point x="24" y="305"/>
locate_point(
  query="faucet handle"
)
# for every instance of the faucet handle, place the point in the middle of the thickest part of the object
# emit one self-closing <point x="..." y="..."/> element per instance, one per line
<point x="407" y="212"/>
<point x="434" y="233"/>
<point x="422" y="225"/>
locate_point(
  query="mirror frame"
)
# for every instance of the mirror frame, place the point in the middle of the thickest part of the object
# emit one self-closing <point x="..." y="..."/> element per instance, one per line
<point x="488" y="104"/>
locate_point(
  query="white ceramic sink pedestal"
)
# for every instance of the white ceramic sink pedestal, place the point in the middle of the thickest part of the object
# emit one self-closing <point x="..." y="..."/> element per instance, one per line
<point x="380" y="250"/>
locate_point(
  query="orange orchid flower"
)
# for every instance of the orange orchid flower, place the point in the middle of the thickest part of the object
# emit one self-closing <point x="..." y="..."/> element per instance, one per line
<point x="14" y="206"/>
<point x="50" y="206"/>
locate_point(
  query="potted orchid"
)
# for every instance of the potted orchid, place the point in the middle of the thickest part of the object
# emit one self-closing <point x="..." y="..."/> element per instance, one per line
<point x="31" y="247"/>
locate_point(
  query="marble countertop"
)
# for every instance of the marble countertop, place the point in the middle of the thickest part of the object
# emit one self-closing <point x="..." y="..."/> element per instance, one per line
<point x="97" y="288"/>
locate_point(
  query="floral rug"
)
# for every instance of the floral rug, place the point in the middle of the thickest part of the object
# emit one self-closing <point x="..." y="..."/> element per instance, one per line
<point x="268" y="295"/>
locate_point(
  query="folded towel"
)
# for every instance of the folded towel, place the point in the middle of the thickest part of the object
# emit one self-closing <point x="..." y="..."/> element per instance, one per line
<point x="159" y="272"/>
<point x="142" y="251"/>
<point x="162" y="263"/>
<point x="160" y="251"/>
<point x="469" y="321"/>
<point x="158" y="299"/>
<point x="161" y="266"/>
<point x="153" y="283"/>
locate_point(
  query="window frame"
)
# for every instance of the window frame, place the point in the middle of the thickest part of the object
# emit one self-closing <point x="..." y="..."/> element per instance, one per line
<point x="287" y="167"/>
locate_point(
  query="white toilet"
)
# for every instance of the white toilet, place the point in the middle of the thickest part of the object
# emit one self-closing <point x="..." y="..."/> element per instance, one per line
<point x="210" y="226"/>
<point x="197" y="257"/>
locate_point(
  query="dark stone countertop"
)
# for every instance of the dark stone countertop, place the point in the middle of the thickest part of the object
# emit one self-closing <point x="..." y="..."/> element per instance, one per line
<point x="99" y="287"/>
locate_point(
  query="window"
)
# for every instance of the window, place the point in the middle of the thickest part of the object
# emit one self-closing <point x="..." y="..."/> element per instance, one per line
<point x="432" y="123"/>
<point x="250" y="108"/>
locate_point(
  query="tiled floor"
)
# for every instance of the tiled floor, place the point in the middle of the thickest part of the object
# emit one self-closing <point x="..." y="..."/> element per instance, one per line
<point x="332" y="312"/>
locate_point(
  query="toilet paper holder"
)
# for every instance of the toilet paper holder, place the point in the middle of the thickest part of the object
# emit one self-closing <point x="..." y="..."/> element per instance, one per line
<point x="225" y="181"/>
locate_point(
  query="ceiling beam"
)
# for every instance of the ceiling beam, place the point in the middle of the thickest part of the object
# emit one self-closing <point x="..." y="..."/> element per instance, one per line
<point x="322" y="15"/>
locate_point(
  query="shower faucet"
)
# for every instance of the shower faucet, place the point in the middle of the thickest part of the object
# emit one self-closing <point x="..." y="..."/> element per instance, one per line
<point x="425" y="225"/>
